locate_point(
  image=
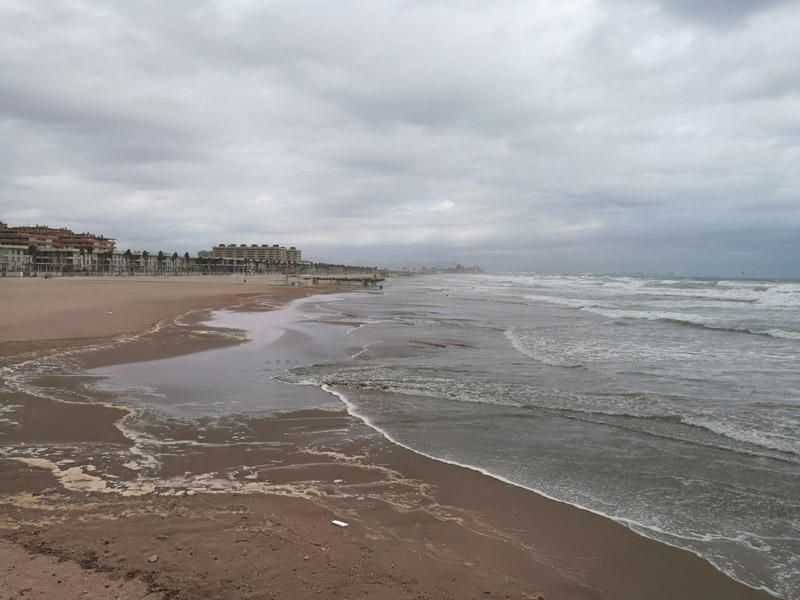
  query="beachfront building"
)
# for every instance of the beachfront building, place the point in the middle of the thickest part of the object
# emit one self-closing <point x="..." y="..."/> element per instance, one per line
<point x="50" y="259"/>
<point x="13" y="260"/>
<point x="34" y="249"/>
<point x="39" y="248"/>
<point x="253" y="257"/>
<point x="206" y="263"/>
<point x="293" y="255"/>
<point x="56" y="238"/>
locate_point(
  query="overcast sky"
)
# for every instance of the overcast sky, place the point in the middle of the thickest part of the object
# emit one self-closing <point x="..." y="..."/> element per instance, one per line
<point x="606" y="135"/>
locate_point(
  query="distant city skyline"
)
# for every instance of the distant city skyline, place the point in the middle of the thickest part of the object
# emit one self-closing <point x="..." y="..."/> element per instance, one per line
<point x="618" y="136"/>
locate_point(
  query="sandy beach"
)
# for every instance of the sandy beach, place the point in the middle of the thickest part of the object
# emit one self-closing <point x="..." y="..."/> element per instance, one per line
<point x="242" y="507"/>
<point x="91" y="307"/>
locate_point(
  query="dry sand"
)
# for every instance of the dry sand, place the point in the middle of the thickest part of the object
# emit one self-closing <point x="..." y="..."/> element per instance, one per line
<point x="242" y="508"/>
<point x="36" y="308"/>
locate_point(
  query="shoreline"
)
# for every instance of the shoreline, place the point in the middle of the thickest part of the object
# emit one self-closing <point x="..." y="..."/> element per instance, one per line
<point x="499" y="478"/>
<point x="628" y="525"/>
<point x="481" y="536"/>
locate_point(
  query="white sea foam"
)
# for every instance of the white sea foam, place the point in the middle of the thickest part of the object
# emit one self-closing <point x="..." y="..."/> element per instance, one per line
<point x="708" y="292"/>
<point x="781" y="333"/>
<point x="648" y="530"/>
<point x="571" y="302"/>
<point x="650" y="315"/>
<point x="543" y="350"/>
<point x="364" y="349"/>
<point x="73" y="478"/>
<point x="747" y="433"/>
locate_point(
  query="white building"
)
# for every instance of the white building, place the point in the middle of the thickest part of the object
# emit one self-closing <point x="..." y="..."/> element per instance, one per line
<point x="263" y="253"/>
<point x="14" y="260"/>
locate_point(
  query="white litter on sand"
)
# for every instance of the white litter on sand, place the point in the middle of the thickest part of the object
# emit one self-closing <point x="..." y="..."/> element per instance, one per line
<point x="339" y="523"/>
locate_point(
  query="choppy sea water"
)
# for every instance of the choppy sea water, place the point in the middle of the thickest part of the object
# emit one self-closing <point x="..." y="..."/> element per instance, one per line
<point x="670" y="405"/>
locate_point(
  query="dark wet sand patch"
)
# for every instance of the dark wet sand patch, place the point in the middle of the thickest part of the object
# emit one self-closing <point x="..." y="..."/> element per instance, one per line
<point x="18" y="478"/>
<point x="41" y="420"/>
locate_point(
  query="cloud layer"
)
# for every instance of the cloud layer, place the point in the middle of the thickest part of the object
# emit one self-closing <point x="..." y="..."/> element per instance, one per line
<point x="614" y="135"/>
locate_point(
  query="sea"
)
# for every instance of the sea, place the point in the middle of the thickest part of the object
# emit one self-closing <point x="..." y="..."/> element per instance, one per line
<point x="669" y="405"/>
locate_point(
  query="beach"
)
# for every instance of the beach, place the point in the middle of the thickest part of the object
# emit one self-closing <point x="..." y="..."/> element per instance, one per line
<point x="36" y="308"/>
<point x="106" y="493"/>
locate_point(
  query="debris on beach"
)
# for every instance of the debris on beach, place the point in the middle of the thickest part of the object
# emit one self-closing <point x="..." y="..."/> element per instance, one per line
<point x="340" y="523"/>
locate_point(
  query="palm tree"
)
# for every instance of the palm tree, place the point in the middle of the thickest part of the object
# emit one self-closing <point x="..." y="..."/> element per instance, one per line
<point x="128" y="256"/>
<point x="160" y="261"/>
<point x="186" y="262"/>
<point x="145" y="261"/>
<point x="174" y="262"/>
<point x="32" y="251"/>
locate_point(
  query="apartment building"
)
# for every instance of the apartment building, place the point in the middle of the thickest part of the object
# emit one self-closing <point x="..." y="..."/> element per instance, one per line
<point x="56" y="238"/>
<point x="13" y="260"/>
<point x="263" y="253"/>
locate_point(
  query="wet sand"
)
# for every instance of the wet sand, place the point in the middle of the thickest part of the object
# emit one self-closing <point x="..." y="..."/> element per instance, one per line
<point x="241" y="507"/>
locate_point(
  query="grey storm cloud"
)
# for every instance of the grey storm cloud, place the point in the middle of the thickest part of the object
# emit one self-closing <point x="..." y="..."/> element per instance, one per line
<point x="586" y="135"/>
<point x="718" y="11"/>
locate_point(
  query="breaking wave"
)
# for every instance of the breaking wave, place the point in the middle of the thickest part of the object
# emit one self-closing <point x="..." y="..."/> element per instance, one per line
<point x="691" y="320"/>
